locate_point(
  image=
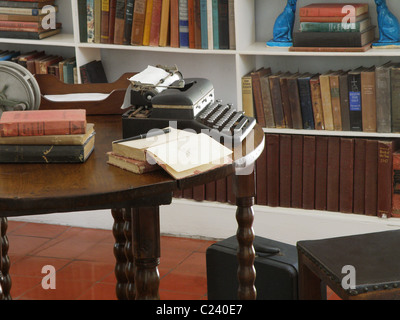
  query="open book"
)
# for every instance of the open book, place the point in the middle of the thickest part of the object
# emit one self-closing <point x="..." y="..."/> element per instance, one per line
<point x="181" y="153"/>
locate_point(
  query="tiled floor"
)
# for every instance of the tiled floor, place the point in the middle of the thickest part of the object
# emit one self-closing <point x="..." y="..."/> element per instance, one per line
<point x="84" y="263"/>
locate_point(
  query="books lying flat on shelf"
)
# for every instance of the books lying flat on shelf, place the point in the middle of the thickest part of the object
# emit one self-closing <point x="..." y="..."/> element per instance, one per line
<point x="42" y="122"/>
<point x="135" y="166"/>
<point x="181" y="153"/>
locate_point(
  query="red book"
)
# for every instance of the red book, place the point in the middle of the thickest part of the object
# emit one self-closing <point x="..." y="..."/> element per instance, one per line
<point x="346" y="175"/>
<point x="371" y="176"/>
<point x="332" y="182"/>
<point x="273" y="169"/>
<point x="396" y="185"/>
<point x="359" y="176"/>
<point x="321" y="164"/>
<point x="155" y="23"/>
<point x="308" y="172"/>
<point x="285" y="170"/>
<point x="297" y="171"/>
<point x="174" y="24"/>
<point x="42" y="122"/>
<point x="333" y="10"/>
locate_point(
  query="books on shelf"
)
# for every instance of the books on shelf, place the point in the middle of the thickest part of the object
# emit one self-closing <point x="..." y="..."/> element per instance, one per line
<point x="328" y="173"/>
<point x="201" y="24"/>
<point x="363" y="99"/>
<point x="180" y="153"/>
<point x="27" y="19"/>
<point x="93" y="72"/>
<point x="334" y="25"/>
<point x="45" y="136"/>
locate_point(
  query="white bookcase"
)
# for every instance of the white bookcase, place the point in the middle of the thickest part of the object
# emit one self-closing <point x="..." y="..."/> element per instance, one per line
<point x="254" y="21"/>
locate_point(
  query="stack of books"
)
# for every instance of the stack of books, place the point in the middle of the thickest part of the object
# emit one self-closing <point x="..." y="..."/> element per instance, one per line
<point x="334" y="25"/>
<point x="180" y="153"/>
<point x="45" y="136"/>
<point x="195" y="24"/>
<point x="28" y="19"/>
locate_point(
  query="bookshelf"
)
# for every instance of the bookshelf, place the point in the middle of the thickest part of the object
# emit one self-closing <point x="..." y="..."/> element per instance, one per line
<point x="254" y="20"/>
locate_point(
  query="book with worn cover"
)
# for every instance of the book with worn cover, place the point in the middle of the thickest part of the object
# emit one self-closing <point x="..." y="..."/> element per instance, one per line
<point x="247" y="95"/>
<point x="344" y="100"/>
<point x="355" y="105"/>
<point x="276" y="99"/>
<point x="174" y="24"/>
<point x="155" y="23"/>
<point x="105" y="20"/>
<point x="368" y="98"/>
<point x="128" y="21"/>
<point x="111" y="20"/>
<point x="257" y="93"/>
<point x="335" y="100"/>
<point x="294" y="101"/>
<point x="315" y="88"/>
<point x="305" y="100"/>
<point x="395" y="96"/>
<point x="132" y="165"/>
<point x="285" y="99"/>
<point x="359" y="26"/>
<point x="47" y="153"/>
<point x="267" y="102"/>
<point x="332" y="10"/>
<point x="42" y="122"/>
<point x="164" y="23"/>
<point x="332" y="19"/>
<point x="383" y="98"/>
<point x="119" y="26"/>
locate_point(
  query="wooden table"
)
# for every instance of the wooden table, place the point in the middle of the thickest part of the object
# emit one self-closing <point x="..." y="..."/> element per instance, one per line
<point x="134" y="200"/>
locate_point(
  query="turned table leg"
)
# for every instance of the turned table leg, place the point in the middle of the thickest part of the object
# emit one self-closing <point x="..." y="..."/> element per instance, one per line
<point x="244" y="188"/>
<point x="146" y="248"/>
<point x="5" y="279"/>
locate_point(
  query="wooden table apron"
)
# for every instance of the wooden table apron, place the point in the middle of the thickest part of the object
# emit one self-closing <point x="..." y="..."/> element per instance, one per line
<point x="28" y="189"/>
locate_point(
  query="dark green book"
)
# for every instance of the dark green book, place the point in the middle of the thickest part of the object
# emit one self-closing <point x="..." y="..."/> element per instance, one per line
<point x="82" y="14"/>
<point x="46" y="153"/>
<point x="355" y="104"/>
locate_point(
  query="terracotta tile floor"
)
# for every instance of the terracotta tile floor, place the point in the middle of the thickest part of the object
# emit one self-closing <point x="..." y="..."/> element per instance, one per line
<point x="84" y="263"/>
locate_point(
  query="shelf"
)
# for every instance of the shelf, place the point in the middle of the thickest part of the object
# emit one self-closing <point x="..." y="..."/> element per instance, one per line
<point x="62" y="39"/>
<point x="355" y="134"/>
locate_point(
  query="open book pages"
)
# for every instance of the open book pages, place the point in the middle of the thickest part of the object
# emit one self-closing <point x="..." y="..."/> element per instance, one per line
<point x="189" y="155"/>
<point x="135" y="149"/>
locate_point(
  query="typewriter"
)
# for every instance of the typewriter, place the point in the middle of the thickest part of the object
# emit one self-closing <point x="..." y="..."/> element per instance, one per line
<point x="184" y="104"/>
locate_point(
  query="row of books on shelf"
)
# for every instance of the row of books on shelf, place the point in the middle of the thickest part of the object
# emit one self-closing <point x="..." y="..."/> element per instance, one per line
<point x="363" y="99"/>
<point x="28" y="19"/>
<point x="334" y="25"/>
<point x="349" y="175"/>
<point x="196" y="24"/>
<point x="45" y="136"/>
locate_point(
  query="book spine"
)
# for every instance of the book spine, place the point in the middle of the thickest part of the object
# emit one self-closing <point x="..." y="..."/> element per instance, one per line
<point x="97" y="21"/>
<point x="111" y="21"/>
<point x="105" y="13"/>
<point x="276" y="99"/>
<point x="344" y="101"/>
<point x="128" y="21"/>
<point x="321" y="165"/>
<point x="385" y="167"/>
<point x="272" y="143"/>
<point x="174" y="27"/>
<point x="395" y="86"/>
<point x="330" y="11"/>
<point x="247" y="95"/>
<point x="335" y="102"/>
<point x="383" y="100"/>
<point x="28" y="34"/>
<point x="261" y="178"/>
<point x="396" y="185"/>
<point x="223" y="24"/>
<point x="197" y="24"/>
<point x="306" y="104"/>
<point x="183" y="24"/>
<point x="119" y="22"/>
<point x="329" y="27"/>
<point x="155" y="23"/>
<point x="90" y="20"/>
<point x="326" y="102"/>
<point x="354" y="86"/>
<point x="295" y="107"/>
<point x="285" y="102"/>
<point x="41" y="154"/>
<point x="332" y="182"/>
<point x="371" y="177"/>
<point x="257" y="98"/>
<point x="297" y="171"/>
<point x="267" y="103"/>
<point x="25" y="11"/>
<point x="346" y="179"/>
<point x="164" y="24"/>
<point x="309" y="172"/>
<point x="210" y="40"/>
<point x="231" y="24"/>
<point x="368" y="96"/>
<point x="359" y="176"/>
<point x="37" y="128"/>
<point x="203" y="24"/>
<point x="317" y="103"/>
<point x="147" y="23"/>
<point x="82" y="12"/>
<point x="215" y="24"/>
<point x="210" y="191"/>
<point x="139" y="14"/>
<point x="285" y="170"/>
<point x="221" y="190"/>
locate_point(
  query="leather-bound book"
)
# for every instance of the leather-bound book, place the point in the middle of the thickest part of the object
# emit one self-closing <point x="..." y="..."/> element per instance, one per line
<point x="326" y="100"/>
<point x="297" y="171"/>
<point x="316" y="100"/>
<point x="346" y="175"/>
<point x="383" y="98"/>
<point x="355" y="105"/>
<point x="285" y="170"/>
<point x="257" y="95"/>
<point x="294" y="99"/>
<point x="305" y="100"/>
<point x="309" y="172"/>
<point x="276" y="99"/>
<point x="332" y="182"/>
<point x="344" y="100"/>
<point x="371" y="176"/>
<point x="395" y="95"/>
<point x="396" y="185"/>
<point x="359" y="176"/>
<point x="368" y="97"/>
<point x="119" y="26"/>
<point x="335" y="100"/>
<point x="273" y="169"/>
<point x="285" y="99"/>
<point x="321" y="171"/>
